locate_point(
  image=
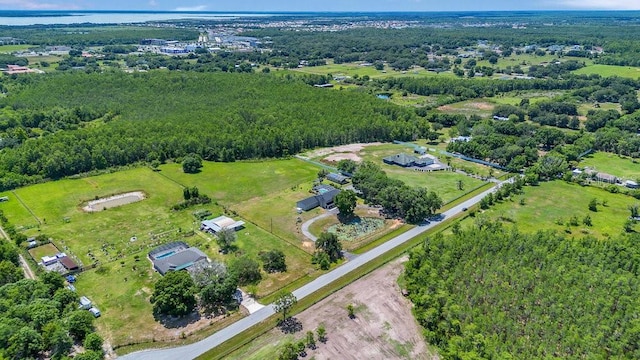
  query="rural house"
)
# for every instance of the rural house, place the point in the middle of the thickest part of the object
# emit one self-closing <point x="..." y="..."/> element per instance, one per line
<point x="406" y="160"/>
<point x="324" y="196"/>
<point x="176" y="256"/>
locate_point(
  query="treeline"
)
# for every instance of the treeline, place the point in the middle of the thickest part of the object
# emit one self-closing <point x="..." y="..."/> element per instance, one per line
<point x="83" y="35"/>
<point x="465" y="89"/>
<point x="403" y="48"/>
<point x="40" y="318"/>
<point x="493" y="292"/>
<point x="396" y="198"/>
<point x="162" y="116"/>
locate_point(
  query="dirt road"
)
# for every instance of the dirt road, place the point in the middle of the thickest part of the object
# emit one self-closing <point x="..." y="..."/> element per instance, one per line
<point x="28" y="273"/>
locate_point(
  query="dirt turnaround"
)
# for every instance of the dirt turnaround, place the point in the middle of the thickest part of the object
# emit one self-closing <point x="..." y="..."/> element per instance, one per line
<point x="113" y="201"/>
<point x="383" y="326"/>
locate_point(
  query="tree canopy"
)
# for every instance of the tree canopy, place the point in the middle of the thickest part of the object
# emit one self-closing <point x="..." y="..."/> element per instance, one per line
<point x="174" y="294"/>
<point x="493" y="292"/>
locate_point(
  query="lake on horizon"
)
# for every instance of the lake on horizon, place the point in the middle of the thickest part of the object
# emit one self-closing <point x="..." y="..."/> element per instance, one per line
<point x="14" y="18"/>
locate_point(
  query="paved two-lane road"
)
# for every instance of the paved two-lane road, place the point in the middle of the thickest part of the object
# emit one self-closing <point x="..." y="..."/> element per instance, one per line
<point x="196" y="349"/>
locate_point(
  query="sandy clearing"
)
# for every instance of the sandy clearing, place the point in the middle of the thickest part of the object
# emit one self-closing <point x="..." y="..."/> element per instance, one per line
<point x="114" y="201"/>
<point x="384" y="327"/>
<point x="349" y="148"/>
<point x="342" y="156"/>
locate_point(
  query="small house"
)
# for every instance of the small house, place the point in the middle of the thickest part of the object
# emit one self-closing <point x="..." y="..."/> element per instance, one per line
<point x="68" y="264"/>
<point x="461" y="139"/>
<point x="176" y="256"/>
<point x="49" y="260"/>
<point x="85" y="303"/>
<point x="323" y="197"/>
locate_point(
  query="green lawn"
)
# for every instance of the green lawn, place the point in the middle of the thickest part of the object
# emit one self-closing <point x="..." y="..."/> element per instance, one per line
<point x="610" y="70"/>
<point x="277" y="212"/>
<point x="556" y="202"/>
<point x="41" y="251"/>
<point x="231" y="183"/>
<point x="13" y="48"/>
<point x="613" y="164"/>
<point x="514" y="98"/>
<point x="444" y="183"/>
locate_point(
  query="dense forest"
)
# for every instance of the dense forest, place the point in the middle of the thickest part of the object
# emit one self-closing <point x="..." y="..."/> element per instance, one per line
<point x="83" y="35"/>
<point x="40" y="316"/>
<point x="118" y="119"/>
<point x="493" y="292"/>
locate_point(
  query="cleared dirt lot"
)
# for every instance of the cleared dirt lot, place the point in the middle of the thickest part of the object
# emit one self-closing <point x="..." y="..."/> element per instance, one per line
<point x="382" y="329"/>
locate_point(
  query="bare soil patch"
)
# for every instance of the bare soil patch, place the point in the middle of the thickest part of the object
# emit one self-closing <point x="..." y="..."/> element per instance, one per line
<point x="342" y="156"/>
<point x="350" y="148"/>
<point x="113" y="201"/>
<point x="481" y="105"/>
<point x="383" y="327"/>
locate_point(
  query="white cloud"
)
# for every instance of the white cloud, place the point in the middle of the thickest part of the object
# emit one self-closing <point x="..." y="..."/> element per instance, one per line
<point x="191" y="8"/>
<point x="153" y="3"/>
<point x="36" y="5"/>
<point x="602" y="4"/>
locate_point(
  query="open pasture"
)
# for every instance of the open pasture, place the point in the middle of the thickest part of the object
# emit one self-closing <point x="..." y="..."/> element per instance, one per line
<point x="543" y="211"/>
<point x="610" y="70"/>
<point x="119" y="238"/>
<point x="613" y="164"/>
<point x="231" y="183"/>
<point x="8" y="49"/>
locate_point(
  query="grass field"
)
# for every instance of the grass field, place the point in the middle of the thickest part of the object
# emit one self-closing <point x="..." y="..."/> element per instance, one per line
<point x="121" y="285"/>
<point x="13" y="48"/>
<point x="41" y="251"/>
<point x="543" y="211"/>
<point x="610" y="70"/>
<point x="469" y="107"/>
<point x="515" y="98"/>
<point x="231" y="183"/>
<point x="277" y="212"/>
<point x="613" y="164"/>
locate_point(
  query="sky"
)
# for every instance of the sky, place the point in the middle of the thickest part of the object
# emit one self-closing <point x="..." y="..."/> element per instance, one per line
<point x="320" y="5"/>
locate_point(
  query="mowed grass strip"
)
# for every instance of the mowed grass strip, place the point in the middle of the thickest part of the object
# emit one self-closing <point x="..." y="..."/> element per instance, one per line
<point x="546" y="204"/>
<point x="613" y="164"/>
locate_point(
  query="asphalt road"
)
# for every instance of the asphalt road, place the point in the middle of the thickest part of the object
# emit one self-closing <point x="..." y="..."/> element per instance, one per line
<point x="194" y="350"/>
